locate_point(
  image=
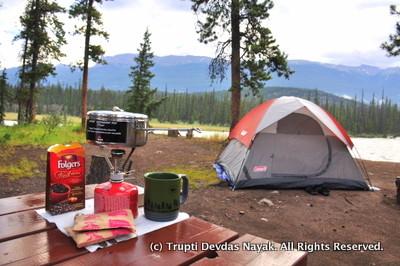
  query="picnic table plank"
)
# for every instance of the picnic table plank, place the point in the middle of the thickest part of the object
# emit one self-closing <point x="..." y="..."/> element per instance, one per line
<point x="254" y="257"/>
<point x="20" y="224"/>
<point x="37" y="249"/>
<point x="138" y="251"/>
<point x="32" y="201"/>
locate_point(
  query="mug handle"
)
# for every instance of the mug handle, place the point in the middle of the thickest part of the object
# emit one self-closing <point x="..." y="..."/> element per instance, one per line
<point x="185" y="188"/>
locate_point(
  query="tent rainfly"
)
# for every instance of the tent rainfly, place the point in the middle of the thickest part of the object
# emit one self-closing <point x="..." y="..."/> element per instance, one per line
<point x="288" y="143"/>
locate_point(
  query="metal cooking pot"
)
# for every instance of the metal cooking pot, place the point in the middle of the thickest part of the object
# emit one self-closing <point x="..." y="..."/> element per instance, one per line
<point x="116" y="128"/>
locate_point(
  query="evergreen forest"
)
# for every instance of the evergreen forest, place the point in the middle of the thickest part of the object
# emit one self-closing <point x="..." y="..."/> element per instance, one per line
<point x="378" y="116"/>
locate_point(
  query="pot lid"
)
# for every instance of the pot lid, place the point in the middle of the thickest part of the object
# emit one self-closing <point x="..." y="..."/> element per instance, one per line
<point x="115" y="114"/>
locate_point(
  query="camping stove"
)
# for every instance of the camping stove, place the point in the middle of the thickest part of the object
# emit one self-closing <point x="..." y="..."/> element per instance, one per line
<point x="116" y="129"/>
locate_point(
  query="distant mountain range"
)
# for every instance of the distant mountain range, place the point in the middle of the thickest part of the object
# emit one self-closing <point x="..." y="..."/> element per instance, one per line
<point x="183" y="73"/>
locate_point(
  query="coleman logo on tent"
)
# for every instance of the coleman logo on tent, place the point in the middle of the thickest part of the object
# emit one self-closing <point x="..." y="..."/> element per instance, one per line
<point x="260" y="169"/>
<point x="244" y="132"/>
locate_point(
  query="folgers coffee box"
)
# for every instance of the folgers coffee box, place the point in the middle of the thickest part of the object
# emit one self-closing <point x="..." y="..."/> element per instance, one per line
<point x="65" y="178"/>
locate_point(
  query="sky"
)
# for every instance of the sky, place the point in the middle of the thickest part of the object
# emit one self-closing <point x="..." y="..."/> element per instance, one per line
<point x="347" y="32"/>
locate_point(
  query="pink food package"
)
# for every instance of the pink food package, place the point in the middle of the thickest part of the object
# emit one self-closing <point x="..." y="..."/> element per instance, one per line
<point x="106" y="220"/>
<point x="87" y="238"/>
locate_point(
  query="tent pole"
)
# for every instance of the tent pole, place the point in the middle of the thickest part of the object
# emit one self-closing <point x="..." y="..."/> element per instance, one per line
<point x="362" y="165"/>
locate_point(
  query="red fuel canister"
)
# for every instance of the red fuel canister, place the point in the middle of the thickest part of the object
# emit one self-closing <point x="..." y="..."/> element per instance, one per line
<point x="116" y="195"/>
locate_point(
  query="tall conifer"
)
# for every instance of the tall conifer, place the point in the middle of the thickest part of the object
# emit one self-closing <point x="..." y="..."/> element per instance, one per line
<point x="5" y="96"/>
<point x="140" y="94"/>
<point x="43" y="36"/>
<point x="93" y="26"/>
<point x="244" y="45"/>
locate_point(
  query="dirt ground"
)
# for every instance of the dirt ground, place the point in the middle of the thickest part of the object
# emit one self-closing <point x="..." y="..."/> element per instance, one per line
<point x="314" y="223"/>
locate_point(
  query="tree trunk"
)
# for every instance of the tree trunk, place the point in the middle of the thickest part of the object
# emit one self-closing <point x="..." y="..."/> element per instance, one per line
<point x="20" y="97"/>
<point x="398" y="188"/>
<point x="86" y="65"/>
<point x="21" y="103"/>
<point x="99" y="170"/>
<point x="235" y="65"/>
<point x="31" y="112"/>
<point x="84" y="95"/>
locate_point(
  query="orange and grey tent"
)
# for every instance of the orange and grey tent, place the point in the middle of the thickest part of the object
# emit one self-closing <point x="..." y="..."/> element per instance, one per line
<point x="287" y="143"/>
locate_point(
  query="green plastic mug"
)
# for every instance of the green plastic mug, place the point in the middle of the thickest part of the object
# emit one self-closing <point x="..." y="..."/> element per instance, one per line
<point x="162" y="195"/>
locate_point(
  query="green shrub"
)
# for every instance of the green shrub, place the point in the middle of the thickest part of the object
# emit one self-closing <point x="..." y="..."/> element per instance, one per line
<point x="52" y="120"/>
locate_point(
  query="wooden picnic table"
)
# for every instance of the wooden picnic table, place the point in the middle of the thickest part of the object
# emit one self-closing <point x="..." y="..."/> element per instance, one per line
<point x="26" y="238"/>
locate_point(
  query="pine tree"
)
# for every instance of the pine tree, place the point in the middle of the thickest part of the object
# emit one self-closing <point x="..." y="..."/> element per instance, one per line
<point x="85" y="10"/>
<point x="250" y="50"/>
<point x="43" y="36"/>
<point x="105" y="99"/>
<point x="5" y="96"/>
<point x="316" y="97"/>
<point x="140" y="95"/>
<point x="393" y="46"/>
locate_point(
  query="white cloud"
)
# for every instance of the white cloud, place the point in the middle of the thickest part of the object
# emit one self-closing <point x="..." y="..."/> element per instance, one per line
<point x="345" y="32"/>
<point x="170" y="28"/>
<point x="317" y="30"/>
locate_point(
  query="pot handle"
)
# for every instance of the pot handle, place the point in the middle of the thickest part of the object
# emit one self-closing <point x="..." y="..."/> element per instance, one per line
<point x="185" y="188"/>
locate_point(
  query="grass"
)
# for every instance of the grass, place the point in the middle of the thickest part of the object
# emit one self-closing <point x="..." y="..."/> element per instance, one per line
<point x="14" y="117"/>
<point x="47" y="130"/>
<point x="23" y="168"/>
<point x="198" y="177"/>
<point x="39" y="134"/>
